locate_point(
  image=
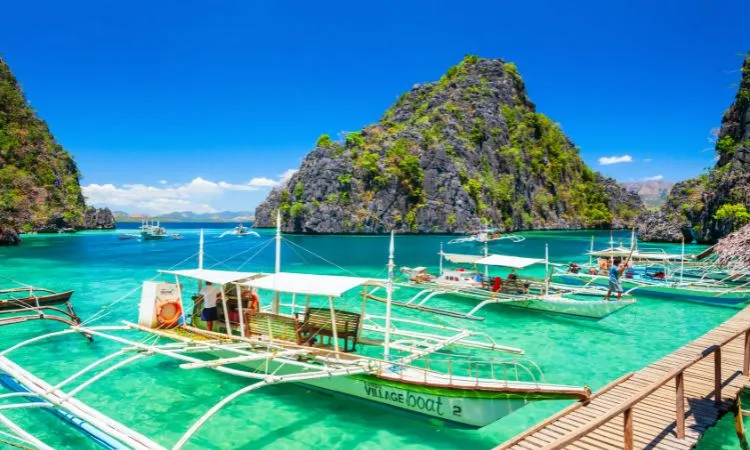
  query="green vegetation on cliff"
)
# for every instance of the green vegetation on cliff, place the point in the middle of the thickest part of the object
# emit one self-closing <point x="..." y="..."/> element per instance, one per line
<point x="38" y="178"/>
<point x="451" y="156"/>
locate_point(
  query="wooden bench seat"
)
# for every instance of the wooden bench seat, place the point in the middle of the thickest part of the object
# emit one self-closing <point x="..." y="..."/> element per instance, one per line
<point x="274" y="326"/>
<point x="517" y="286"/>
<point x="317" y="322"/>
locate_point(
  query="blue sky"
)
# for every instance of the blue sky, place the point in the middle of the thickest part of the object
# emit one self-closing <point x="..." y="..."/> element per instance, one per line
<point x="174" y="105"/>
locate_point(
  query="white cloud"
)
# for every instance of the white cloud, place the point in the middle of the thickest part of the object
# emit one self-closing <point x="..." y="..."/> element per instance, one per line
<point x="287" y="175"/>
<point x="263" y="182"/>
<point x="198" y="195"/>
<point x="654" y="178"/>
<point x="607" y="160"/>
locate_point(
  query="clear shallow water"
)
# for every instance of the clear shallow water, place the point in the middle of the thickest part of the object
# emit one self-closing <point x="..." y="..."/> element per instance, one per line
<point x="160" y="400"/>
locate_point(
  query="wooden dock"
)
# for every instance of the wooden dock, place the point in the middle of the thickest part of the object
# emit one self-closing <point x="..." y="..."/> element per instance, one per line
<point x="668" y="404"/>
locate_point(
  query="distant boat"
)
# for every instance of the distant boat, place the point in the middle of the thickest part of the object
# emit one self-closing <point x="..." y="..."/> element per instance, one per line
<point x="240" y="231"/>
<point x="486" y="236"/>
<point x="153" y="231"/>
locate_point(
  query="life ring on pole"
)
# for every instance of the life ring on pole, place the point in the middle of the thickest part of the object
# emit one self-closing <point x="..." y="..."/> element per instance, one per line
<point x="168" y="312"/>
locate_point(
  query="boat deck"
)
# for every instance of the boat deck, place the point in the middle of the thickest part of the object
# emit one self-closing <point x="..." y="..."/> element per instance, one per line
<point x="668" y="404"/>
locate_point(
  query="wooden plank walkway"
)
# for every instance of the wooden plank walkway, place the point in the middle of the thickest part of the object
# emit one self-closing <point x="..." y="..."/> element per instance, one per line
<point x="642" y="410"/>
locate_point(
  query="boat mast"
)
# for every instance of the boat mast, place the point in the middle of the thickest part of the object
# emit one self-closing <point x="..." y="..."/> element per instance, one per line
<point x="200" y="250"/>
<point x="546" y="268"/>
<point x="682" y="259"/>
<point x="486" y="267"/>
<point x="278" y="241"/>
<point x="591" y="252"/>
<point x="276" y="295"/>
<point x="440" y="271"/>
<point x="388" y="301"/>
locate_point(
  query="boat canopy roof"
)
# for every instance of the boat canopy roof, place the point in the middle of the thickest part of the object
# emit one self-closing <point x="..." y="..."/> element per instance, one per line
<point x="625" y="252"/>
<point x="515" y="262"/>
<point x="458" y="258"/>
<point x="213" y="276"/>
<point x="309" y="284"/>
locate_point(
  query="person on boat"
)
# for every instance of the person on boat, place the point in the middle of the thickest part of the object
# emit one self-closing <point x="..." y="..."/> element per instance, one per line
<point x="615" y="272"/>
<point x="209" y="294"/>
<point x="573" y="268"/>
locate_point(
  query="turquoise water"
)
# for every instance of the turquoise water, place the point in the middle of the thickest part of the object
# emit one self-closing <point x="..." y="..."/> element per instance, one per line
<point x="154" y="396"/>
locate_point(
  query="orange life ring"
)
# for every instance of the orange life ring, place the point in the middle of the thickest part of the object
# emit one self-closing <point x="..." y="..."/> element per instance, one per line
<point x="168" y="312"/>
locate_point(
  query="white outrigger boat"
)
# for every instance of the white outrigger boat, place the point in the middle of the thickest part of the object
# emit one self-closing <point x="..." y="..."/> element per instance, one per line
<point x="240" y="231"/>
<point x="512" y="291"/>
<point x="658" y="274"/>
<point x="400" y="364"/>
<point x="487" y="236"/>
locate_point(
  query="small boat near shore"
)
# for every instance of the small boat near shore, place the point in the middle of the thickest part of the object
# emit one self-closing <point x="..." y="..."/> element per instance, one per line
<point x="487" y="236"/>
<point x="21" y="304"/>
<point x="240" y="231"/>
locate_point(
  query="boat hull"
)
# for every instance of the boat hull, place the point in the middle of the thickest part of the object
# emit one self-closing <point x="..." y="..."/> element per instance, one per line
<point x="30" y="302"/>
<point x="581" y="308"/>
<point x="451" y="406"/>
<point x="665" y="290"/>
<point x="463" y="408"/>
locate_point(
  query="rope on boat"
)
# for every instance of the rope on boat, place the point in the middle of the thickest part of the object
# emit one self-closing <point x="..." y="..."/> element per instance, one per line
<point x="321" y="257"/>
<point x="107" y="309"/>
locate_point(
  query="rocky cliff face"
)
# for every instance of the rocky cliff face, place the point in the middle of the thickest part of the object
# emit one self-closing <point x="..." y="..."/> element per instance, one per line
<point x="98" y="219"/>
<point x="467" y="151"/>
<point x="714" y="204"/>
<point x="39" y="181"/>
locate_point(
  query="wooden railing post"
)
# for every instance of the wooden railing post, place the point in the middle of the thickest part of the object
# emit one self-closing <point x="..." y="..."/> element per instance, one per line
<point x="628" y="428"/>
<point x="717" y="375"/>
<point x="680" y="403"/>
<point x="746" y="359"/>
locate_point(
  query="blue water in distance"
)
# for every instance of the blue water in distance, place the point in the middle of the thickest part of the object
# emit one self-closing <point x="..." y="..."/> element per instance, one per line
<point x="157" y="398"/>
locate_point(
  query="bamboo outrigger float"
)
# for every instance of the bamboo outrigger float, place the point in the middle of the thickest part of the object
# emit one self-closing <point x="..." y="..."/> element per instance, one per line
<point x="395" y="366"/>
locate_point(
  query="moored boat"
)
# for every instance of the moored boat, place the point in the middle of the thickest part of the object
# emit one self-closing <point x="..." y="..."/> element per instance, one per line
<point x="541" y="295"/>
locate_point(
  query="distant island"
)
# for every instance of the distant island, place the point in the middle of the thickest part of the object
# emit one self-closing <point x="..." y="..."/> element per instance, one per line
<point x="187" y="216"/>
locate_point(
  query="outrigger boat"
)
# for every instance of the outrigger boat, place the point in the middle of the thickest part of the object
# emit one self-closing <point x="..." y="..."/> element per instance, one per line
<point x="653" y="276"/>
<point x="512" y="291"/>
<point x="386" y="365"/>
<point x="654" y="282"/>
<point x="240" y="231"/>
<point x="152" y="231"/>
<point x="487" y="236"/>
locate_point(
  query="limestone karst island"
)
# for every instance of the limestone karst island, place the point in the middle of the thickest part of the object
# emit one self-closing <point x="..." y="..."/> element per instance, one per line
<point x="236" y="225"/>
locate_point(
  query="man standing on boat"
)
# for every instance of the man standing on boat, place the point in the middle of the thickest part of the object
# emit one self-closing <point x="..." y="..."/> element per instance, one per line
<point x="209" y="294"/>
<point x="615" y="272"/>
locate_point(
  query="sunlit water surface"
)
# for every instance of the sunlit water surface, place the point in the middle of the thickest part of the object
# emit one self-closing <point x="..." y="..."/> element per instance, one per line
<point x="157" y="398"/>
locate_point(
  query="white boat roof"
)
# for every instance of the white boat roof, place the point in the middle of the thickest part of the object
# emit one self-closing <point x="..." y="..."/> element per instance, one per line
<point x="309" y="284"/>
<point x="459" y="258"/>
<point x="213" y="276"/>
<point x="515" y="262"/>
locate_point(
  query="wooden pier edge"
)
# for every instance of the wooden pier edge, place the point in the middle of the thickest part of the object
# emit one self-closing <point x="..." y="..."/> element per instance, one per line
<point x="648" y="408"/>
